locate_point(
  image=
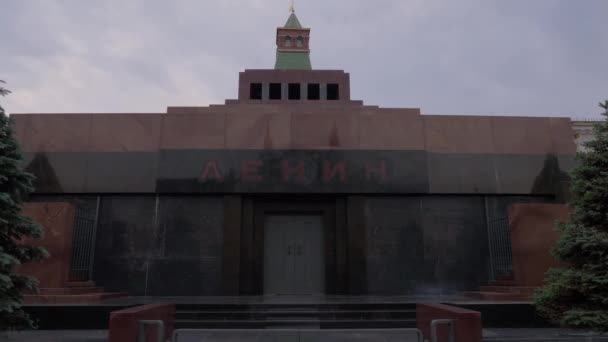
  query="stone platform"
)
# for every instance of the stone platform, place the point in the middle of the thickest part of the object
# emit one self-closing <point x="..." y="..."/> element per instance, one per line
<point x="73" y="293"/>
<point x="264" y="312"/>
<point x="501" y="320"/>
<point x="489" y="335"/>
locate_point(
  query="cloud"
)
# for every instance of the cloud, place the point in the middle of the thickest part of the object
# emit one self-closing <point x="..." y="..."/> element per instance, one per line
<point x="493" y="57"/>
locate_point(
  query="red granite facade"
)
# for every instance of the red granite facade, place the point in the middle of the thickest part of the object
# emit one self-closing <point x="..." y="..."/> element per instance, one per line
<point x="55" y="283"/>
<point x="467" y="323"/>
<point x="57" y="220"/>
<point x="124" y="324"/>
<point x="293" y="126"/>
<point x="533" y="235"/>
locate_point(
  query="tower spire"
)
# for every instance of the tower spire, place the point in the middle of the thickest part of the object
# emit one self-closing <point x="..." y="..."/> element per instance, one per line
<point x="293" y="50"/>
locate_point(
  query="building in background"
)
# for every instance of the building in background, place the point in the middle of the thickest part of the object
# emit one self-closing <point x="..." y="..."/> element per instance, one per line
<point x="583" y="132"/>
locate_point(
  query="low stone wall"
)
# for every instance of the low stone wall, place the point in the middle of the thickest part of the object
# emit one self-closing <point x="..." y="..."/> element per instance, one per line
<point x="124" y="323"/>
<point x="467" y="322"/>
<point x="533" y="235"/>
<point x="57" y="219"/>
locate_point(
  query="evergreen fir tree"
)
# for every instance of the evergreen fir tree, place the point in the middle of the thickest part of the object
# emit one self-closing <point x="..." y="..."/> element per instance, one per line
<point x="15" y="184"/>
<point x="577" y="295"/>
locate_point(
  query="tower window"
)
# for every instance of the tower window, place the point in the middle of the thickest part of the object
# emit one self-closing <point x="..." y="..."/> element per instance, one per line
<point x="300" y="41"/>
<point x="314" y="91"/>
<point x="275" y="91"/>
<point x="333" y="91"/>
<point x="288" y="41"/>
<point x="255" y="91"/>
<point x="294" y="91"/>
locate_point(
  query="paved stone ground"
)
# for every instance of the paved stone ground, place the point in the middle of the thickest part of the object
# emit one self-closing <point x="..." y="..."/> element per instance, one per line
<point x="56" y="336"/>
<point x="541" y="335"/>
<point x="490" y="335"/>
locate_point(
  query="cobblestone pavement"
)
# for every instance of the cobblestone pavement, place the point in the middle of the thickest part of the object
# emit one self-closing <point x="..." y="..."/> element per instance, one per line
<point x="541" y="335"/>
<point x="490" y="335"/>
<point x="56" y="336"/>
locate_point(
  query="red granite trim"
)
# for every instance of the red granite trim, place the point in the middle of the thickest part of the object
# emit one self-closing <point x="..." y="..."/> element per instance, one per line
<point x="563" y="136"/>
<point x="467" y="322"/>
<point x="124" y="323"/>
<point x="305" y="126"/>
<point x="125" y="133"/>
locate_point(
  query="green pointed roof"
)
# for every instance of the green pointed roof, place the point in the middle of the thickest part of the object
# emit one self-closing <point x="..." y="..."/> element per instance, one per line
<point x="293" y="22"/>
<point x="288" y="60"/>
<point x="293" y="58"/>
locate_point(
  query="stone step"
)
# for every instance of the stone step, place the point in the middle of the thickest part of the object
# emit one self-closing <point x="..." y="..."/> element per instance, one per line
<point x="71" y="290"/>
<point x="502" y="283"/>
<point x="497" y="296"/>
<point x="291" y="307"/>
<point x="504" y="277"/>
<point x="508" y="289"/>
<point x="80" y="284"/>
<point x="287" y="314"/>
<point x="227" y="324"/>
<point x="89" y="298"/>
<point x="309" y="323"/>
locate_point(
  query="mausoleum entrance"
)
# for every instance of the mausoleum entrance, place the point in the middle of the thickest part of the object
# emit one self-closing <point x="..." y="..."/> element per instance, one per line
<point x="293" y="255"/>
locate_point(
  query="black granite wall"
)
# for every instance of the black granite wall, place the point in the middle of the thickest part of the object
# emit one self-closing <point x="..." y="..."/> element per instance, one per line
<point x="430" y="245"/>
<point x="172" y="245"/>
<point x="167" y="245"/>
<point x="299" y="171"/>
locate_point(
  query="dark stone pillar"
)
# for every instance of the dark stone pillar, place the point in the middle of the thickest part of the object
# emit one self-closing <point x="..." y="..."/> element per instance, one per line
<point x="357" y="251"/>
<point x="232" y="244"/>
<point x="247" y="233"/>
<point x="341" y="246"/>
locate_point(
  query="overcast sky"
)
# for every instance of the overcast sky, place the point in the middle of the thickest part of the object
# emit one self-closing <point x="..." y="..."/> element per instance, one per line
<point x="494" y="57"/>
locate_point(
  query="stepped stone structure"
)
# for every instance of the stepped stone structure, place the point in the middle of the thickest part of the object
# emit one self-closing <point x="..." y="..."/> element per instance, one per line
<point x="293" y="188"/>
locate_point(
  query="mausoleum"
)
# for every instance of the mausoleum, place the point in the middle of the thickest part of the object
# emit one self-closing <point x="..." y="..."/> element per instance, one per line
<point x="293" y="188"/>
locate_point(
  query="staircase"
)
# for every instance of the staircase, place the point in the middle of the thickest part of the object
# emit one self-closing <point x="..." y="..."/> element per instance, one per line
<point x="73" y="293"/>
<point x="297" y="316"/>
<point x="502" y="290"/>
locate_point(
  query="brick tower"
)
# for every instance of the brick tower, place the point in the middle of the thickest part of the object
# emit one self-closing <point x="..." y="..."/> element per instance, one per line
<point x="293" y="52"/>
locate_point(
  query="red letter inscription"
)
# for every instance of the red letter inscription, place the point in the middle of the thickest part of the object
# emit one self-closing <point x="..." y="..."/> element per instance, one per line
<point x="379" y="170"/>
<point x="330" y="172"/>
<point x="250" y="171"/>
<point x="211" y="172"/>
<point x="289" y="171"/>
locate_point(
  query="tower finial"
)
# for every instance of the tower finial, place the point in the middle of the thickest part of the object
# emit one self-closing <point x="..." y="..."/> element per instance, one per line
<point x="292" y="8"/>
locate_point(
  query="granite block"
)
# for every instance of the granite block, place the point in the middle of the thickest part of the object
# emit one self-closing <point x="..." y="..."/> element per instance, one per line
<point x="121" y="172"/>
<point x="528" y="174"/>
<point x="57" y="133"/>
<point x="258" y="130"/>
<point x="533" y="235"/>
<point x="57" y="172"/>
<point x="324" y="131"/>
<point x="125" y="132"/>
<point x="458" y="134"/>
<point x="391" y="130"/>
<point x="522" y="135"/>
<point x="57" y="220"/>
<point x="563" y="136"/>
<point x="124" y="324"/>
<point x="459" y="173"/>
<point x="194" y="131"/>
<point x="177" y="276"/>
<point x="467" y="323"/>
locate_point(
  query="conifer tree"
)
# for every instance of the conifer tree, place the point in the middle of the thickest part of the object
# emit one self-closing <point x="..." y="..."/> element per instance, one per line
<point x="577" y="295"/>
<point x="15" y="184"/>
